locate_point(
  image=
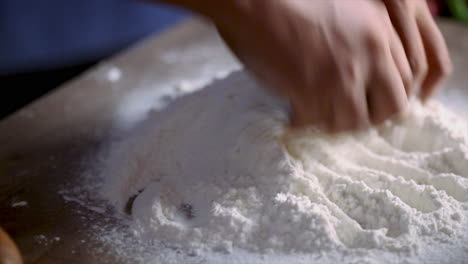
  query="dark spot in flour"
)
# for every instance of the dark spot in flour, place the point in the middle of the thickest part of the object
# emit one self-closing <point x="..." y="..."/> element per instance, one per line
<point x="187" y="210"/>
<point x="129" y="204"/>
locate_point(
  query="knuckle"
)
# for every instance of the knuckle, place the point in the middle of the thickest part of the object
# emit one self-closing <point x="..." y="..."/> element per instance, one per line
<point x="374" y="41"/>
<point x="378" y="119"/>
<point x="386" y="115"/>
<point x="406" y="74"/>
<point x="407" y="80"/>
<point x="397" y="105"/>
<point x="445" y="69"/>
<point x="408" y="83"/>
<point x="399" y="5"/>
<point x="358" y="122"/>
<point x="395" y="108"/>
<point x="419" y="67"/>
<point x="351" y="71"/>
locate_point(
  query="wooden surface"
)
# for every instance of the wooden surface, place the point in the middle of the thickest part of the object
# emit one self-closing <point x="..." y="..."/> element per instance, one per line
<point x="47" y="145"/>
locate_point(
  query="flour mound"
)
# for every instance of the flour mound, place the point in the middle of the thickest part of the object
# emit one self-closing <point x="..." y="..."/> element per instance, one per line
<point x="218" y="169"/>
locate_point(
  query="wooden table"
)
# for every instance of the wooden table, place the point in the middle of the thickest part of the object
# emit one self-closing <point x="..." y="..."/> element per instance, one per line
<point x="46" y="146"/>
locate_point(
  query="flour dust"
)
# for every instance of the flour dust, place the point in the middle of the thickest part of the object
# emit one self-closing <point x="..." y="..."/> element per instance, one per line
<point x="218" y="170"/>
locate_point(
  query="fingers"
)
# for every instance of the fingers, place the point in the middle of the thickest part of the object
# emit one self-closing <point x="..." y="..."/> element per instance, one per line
<point x="438" y="57"/>
<point x="346" y="112"/>
<point x="349" y="108"/>
<point x="401" y="61"/>
<point x="424" y="45"/>
<point x="403" y="19"/>
<point x="386" y="96"/>
<point x="349" y="111"/>
<point x="342" y="108"/>
<point x="307" y="111"/>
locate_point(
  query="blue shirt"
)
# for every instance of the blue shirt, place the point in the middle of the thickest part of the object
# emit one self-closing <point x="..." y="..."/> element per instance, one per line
<point x="46" y="34"/>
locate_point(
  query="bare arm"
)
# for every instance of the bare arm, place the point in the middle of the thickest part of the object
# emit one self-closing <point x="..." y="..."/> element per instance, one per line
<point x="343" y="65"/>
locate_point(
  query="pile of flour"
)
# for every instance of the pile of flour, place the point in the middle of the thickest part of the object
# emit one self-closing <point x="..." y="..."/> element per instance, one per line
<point x="218" y="169"/>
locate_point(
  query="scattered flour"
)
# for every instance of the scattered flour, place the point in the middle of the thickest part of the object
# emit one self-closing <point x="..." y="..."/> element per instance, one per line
<point x="219" y="169"/>
<point x="19" y="204"/>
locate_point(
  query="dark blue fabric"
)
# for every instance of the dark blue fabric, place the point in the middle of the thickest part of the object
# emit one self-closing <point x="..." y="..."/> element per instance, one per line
<point x="41" y="34"/>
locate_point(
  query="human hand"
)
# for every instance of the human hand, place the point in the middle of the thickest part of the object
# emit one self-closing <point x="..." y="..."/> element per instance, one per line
<point x="341" y="64"/>
<point x="8" y="251"/>
<point x="424" y="44"/>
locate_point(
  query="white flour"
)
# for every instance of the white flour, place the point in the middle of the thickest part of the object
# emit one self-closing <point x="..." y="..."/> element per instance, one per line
<point x="219" y="170"/>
